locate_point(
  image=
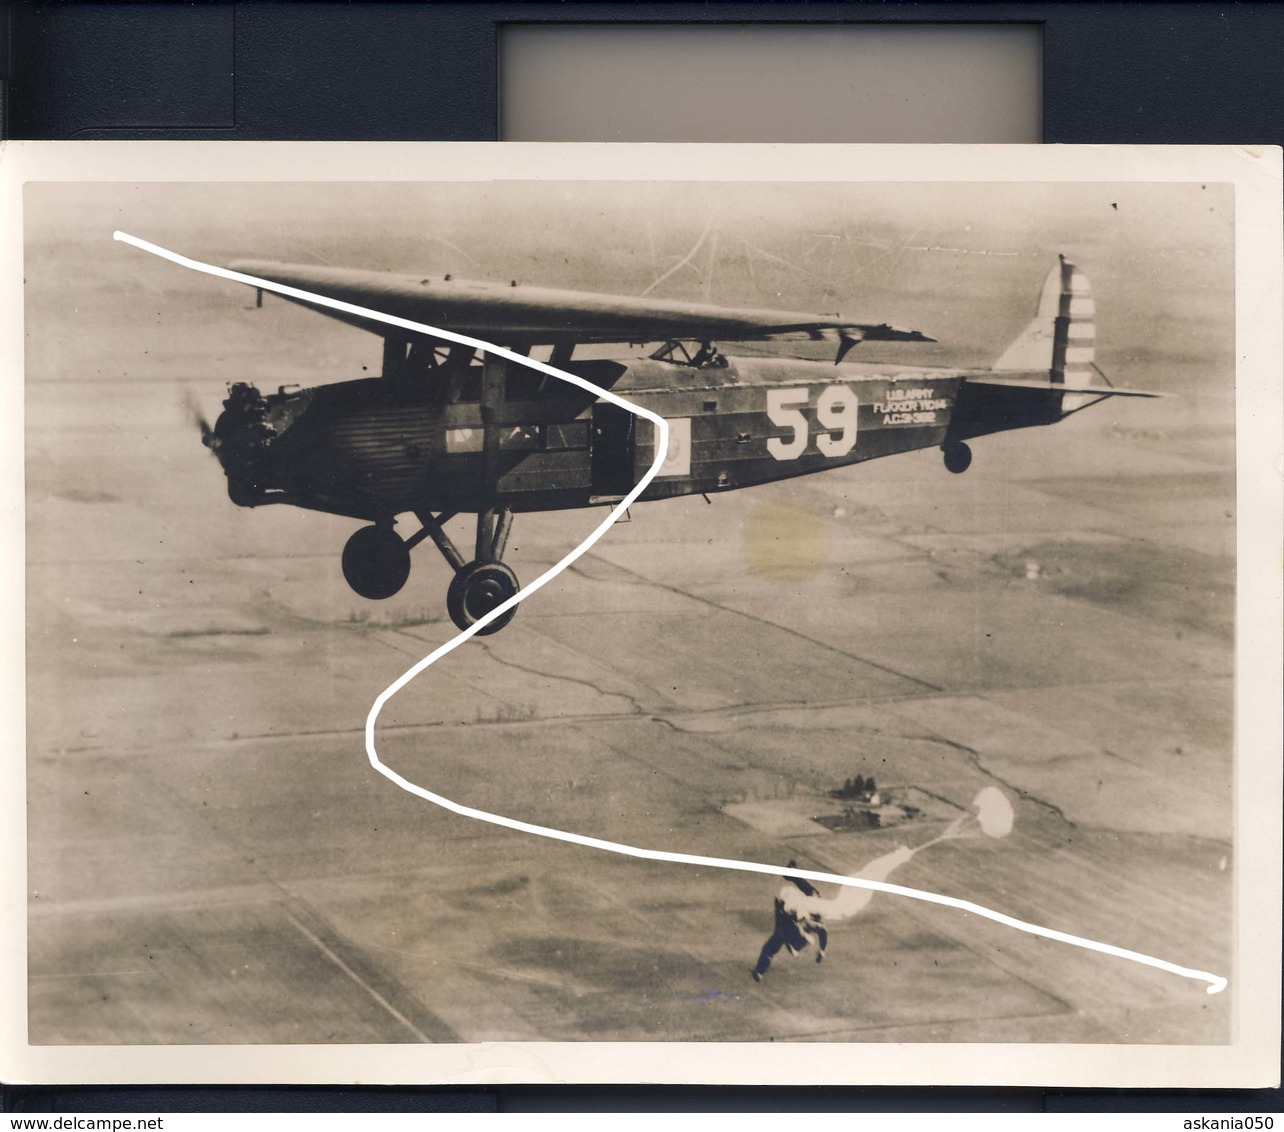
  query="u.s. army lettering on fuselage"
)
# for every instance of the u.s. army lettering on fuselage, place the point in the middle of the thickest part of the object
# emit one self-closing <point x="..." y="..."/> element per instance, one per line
<point x="916" y="406"/>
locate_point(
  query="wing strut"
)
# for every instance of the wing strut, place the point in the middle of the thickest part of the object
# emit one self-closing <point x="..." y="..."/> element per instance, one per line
<point x="494" y="371"/>
<point x="846" y="340"/>
<point x="405" y="357"/>
<point x="394" y="355"/>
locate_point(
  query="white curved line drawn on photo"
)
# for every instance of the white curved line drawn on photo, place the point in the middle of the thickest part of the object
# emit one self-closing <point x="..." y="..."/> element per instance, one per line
<point x="1217" y="983"/>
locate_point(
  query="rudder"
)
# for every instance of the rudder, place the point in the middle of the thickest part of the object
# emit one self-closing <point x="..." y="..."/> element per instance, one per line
<point x="1060" y="341"/>
<point x="1048" y="372"/>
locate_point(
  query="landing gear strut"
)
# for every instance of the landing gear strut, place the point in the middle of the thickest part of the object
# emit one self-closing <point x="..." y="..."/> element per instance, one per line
<point x="958" y="456"/>
<point x="485" y="582"/>
<point x="376" y="564"/>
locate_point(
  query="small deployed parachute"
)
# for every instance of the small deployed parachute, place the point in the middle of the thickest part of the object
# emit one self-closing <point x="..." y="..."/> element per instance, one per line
<point x="993" y="812"/>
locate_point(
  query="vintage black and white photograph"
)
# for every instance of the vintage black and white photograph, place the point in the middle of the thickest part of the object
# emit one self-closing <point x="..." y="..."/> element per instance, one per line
<point x="933" y="585"/>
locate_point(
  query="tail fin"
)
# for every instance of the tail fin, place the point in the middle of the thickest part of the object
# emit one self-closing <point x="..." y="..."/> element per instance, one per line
<point x="1060" y="340"/>
<point x="1055" y="353"/>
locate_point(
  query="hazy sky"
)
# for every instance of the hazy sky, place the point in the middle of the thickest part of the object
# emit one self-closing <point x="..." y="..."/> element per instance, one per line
<point x="962" y="262"/>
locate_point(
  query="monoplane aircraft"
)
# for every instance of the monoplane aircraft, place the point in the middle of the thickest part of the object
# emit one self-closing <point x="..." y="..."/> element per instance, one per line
<point x="442" y="433"/>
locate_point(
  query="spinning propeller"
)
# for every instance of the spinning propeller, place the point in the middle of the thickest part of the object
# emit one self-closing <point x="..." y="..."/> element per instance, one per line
<point x="197" y="417"/>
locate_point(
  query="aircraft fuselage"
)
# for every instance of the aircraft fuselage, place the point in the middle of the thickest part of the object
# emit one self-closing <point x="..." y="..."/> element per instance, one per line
<point x="375" y="448"/>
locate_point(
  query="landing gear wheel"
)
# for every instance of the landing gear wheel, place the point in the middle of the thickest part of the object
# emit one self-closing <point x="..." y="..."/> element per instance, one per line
<point x="958" y="457"/>
<point x="476" y="590"/>
<point x="376" y="562"/>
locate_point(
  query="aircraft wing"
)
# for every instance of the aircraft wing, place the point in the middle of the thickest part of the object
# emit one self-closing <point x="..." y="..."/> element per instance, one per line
<point x="524" y="316"/>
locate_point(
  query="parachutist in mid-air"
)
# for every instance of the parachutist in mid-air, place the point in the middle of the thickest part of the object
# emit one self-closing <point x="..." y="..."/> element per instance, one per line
<point x="795" y="924"/>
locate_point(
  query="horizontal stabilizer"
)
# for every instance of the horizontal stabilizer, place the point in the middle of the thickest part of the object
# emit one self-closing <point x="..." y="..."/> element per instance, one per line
<point x="1043" y="384"/>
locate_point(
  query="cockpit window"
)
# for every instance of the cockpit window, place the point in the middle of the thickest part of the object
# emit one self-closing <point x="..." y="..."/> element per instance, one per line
<point x="707" y="356"/>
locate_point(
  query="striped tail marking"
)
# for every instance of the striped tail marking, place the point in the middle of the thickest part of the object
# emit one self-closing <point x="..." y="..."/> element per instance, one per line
<point x="1074" y="339"/>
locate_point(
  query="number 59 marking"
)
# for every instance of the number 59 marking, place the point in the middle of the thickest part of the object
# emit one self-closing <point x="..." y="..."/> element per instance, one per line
<point x="835" y="413"/>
